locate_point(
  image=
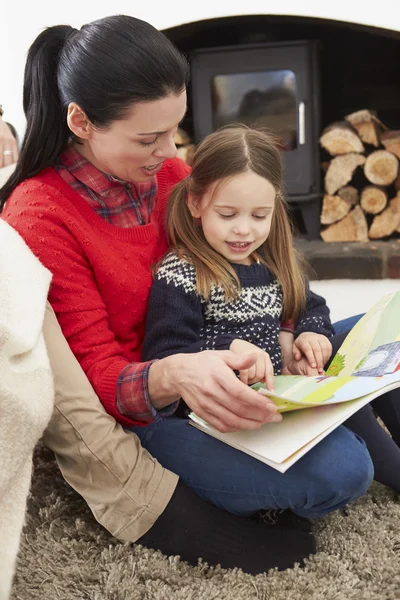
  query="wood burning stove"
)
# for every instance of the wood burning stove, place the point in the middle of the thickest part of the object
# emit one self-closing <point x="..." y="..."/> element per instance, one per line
<point x="275" y="85"/>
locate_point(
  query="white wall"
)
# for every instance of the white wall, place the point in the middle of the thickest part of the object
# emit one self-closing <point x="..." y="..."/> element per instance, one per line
<point x="349" y="297"/>
<point x="21" y="22"/>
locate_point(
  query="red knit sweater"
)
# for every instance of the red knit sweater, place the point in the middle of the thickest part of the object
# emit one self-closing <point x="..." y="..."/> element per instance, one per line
<point x="101" y="273"/>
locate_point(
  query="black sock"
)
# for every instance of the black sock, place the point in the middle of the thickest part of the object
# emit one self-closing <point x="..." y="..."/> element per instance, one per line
<point x="284" y="518"/>
<point x="193" y="529"/>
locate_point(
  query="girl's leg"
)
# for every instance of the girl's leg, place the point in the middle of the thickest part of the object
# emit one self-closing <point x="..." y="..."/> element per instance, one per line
<point x="335" y="472"/>
<point x="387" y="407"/>
<point x="346" y="324"/>
<point x="384" y="451"/>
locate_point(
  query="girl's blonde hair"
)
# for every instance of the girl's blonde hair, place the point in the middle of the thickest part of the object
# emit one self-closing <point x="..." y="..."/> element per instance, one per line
<point x="223" y="154"/>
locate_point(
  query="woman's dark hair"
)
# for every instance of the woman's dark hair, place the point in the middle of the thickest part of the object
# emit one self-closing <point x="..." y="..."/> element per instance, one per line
<point x="105" y="67"/>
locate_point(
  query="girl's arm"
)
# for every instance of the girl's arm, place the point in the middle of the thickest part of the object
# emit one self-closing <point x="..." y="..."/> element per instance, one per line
<point x="175" y="320"/>
<point x="313" y="330"/>
<point x="315" y="318"/>
<point x="286" y="339"/>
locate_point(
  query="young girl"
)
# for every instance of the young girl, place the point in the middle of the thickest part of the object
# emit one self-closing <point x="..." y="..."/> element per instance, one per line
<point x="233" y="274"/>
<point x="230" y="281"/>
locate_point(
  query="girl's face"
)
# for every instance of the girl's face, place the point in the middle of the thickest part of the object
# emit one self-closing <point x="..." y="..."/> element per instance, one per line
<point x="134" y="148"/>
<point x="236" y="217"/>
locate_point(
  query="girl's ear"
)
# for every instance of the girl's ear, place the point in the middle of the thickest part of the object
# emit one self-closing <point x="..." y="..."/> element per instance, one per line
<point x="193" y="206"/>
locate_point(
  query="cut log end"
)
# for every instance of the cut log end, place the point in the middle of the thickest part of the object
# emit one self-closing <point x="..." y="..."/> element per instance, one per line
<point x="388" y="222"/>
<point x="391" y="141"/>
<point x="341" y="138"/>
<point x="381" y="167"/>
<point x="341" y="170"/>
<point x="373" y="199"/>
<point x="384" y="224"/>
<point x="350" y="194"/>
<point x="353" y="228"/>
<point x="334" y="208"/>
<point x="367" y="125"/>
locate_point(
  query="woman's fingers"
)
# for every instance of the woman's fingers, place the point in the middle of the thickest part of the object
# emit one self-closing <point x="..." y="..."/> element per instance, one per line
<point x="245" y="402"/>
<point x="225" y="421"/>
<point x="269" y="374"/>
<point x="244" y="376"/>
<point x="210" y="388"/>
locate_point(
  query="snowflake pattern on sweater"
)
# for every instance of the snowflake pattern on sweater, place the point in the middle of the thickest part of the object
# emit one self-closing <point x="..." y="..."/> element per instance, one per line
<point x="180" y="320"/>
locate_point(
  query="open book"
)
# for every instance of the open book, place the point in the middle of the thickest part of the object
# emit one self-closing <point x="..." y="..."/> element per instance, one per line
<point x="366" y="366"/>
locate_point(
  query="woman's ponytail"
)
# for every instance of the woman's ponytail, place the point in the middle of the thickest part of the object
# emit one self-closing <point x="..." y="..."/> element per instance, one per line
<point x="46" y="128"/>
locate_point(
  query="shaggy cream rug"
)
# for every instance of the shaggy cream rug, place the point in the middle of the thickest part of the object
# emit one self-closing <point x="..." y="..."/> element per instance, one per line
<point x="65" y="555"/>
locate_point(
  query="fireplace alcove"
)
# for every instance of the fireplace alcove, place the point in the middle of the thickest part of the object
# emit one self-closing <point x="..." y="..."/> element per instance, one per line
<point x="358" y="67"/>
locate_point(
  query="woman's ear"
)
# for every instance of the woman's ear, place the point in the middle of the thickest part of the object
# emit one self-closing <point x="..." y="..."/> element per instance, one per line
<point x="193" y="206"/>
<point x="78" y="122"/>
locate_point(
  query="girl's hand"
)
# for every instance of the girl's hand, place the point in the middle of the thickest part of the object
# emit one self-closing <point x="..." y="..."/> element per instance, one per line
<point x="315" y="347"/>
<point x="262" y="370"/>
<point x="299" y="367"/>
<point x="209" y="386"/>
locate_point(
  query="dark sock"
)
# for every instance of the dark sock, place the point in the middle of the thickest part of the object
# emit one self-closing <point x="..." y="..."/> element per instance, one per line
<point x="284" y="518"/>
<point x="193" y="529"/>
<point x="384" y="451"/>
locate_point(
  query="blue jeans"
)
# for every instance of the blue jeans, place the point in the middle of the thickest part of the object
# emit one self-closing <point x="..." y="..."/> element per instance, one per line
<point x="336" y="471"/>
<point x="346" y="324"/>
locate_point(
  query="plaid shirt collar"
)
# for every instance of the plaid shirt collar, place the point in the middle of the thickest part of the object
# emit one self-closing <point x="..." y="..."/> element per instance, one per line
<point x="99" y="182"/>
<point x="122" y="203"/>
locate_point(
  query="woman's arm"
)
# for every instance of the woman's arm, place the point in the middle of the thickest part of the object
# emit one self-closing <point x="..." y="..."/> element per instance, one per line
<point x="75" y="298"/>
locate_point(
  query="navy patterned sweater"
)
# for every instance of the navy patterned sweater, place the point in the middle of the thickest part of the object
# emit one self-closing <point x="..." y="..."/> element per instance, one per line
<point x="180" y="320"/>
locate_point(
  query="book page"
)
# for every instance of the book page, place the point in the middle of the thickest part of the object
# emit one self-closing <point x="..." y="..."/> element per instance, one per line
<point x="367" y="362"/>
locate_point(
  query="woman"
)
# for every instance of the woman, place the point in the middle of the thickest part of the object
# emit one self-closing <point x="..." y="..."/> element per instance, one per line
<point x="88" y="196"/>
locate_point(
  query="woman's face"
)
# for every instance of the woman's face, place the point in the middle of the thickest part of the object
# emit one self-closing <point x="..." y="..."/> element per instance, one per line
<point x="134" y="148"/>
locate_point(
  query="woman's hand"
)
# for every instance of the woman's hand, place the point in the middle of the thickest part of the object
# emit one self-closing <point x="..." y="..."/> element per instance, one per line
<point x="262" y="370"/>
<point x="8" y="145"/>
<point x="315" y="347"/>
<point x="209" y="386"/>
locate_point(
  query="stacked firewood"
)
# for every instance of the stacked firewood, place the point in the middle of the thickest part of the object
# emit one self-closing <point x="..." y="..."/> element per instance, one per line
<point x="184" y="146"/>
<point x="361" y="180"/>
